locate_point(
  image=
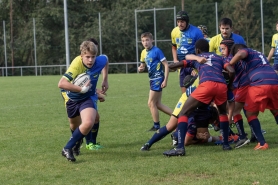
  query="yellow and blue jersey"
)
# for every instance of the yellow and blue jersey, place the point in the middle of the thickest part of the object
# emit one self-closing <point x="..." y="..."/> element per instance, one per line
<point x="184" y="97"/>
<point x="153" y="59"/>
<point x="185" y="40"/>
<point x="274" y="44"/>
<point x="214" y="43"/>
<point x="77" y="67"/>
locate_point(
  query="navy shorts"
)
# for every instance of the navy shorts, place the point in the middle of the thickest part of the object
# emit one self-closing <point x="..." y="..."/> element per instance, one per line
<point x="155" y="84"/>
<point x="75" y="107"/>
<point x="183" y="73"/>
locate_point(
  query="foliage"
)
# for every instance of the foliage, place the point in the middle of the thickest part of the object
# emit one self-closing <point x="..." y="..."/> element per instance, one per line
<point x="118" y="34"/>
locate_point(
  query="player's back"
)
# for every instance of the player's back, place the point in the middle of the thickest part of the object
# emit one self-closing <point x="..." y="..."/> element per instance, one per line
<point x="258" y="68"/>
<point x="212" y="69"/>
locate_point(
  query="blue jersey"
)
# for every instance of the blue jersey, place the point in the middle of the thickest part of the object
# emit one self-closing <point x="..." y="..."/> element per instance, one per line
<point x="211" y="70"/>
<point x="241" y="77"/>
<point x="153" y="58"/>
<point x="94" y="73"/>
<point x="185" y="40"/>
<point x="258" y="68"/>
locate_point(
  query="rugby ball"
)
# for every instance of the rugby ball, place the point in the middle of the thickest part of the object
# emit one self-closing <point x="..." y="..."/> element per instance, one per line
<point x="81" y="79"/>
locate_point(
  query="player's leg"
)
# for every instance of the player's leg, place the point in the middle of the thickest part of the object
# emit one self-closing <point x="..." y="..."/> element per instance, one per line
<point x="87" y="113"/>
<point x="170" y="126"/>
<point x="161" y="133"/>
<point x="154" y="97"/>
<point x="190" y="105"/>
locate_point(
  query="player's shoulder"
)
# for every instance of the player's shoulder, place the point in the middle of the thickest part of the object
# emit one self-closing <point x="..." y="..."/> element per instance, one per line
<point x="175" y="31"/>
<point x="215" y="38"/>
<point x="102" y="57"/>
<point x="238" y="39"/>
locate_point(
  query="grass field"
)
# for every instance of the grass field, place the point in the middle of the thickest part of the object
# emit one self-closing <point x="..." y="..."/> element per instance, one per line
<point x="34" y="129"/>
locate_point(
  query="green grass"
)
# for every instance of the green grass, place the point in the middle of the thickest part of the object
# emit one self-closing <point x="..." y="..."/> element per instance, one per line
<point x="34" y="128"/>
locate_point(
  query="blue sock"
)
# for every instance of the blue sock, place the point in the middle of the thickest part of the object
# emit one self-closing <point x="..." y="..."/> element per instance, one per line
<point x="94" y="132"/>
<point x="76" y="137"/>
<point x="88" y="137"/>
<point x="239" y="125"/>
<point x="158" y="135"/>
<point x="182" y="129"/>
<point x="224" y="126"/>
<point x="175" y="134"/>
<point x="156" y="124"/>
<point x="256" y="127"/>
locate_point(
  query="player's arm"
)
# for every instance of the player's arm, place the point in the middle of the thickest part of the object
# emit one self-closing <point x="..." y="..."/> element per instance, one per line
<point x="197" y="58"/>
<point x="166" y="73"/>
<point x="142" y="66"/>
<point x="174" y="53"/>
<point x="270" y="54"/>
<point x="241" y="54"/>
<point x="66" y="85"/>
<point x="104" y="72"/>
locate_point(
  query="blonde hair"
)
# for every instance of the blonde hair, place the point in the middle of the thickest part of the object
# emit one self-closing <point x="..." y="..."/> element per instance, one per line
<point x="88" y="47"/>
<point x="147" y="34"/>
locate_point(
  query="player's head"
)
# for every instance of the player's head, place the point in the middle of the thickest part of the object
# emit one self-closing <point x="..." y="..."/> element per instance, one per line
<point x="226" y="45"/>
<point x="226" y="27"/>
<point x="146" y="40"/>
<point x="88" y="52"/>
<point x="93" y="40"/>
<point x="182" y="20"/>
<point x="236" y="48"/>
<point x="201" y="46"/>
<point x="204" y="29"/>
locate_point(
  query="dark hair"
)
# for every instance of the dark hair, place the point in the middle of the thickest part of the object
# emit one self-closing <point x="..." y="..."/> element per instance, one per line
<point x="202" y="45"/>
<point x="236" y="47"/>
<point x="226" y="21"/>
<point x="229" y="42"/>
<point x="182" y="15"/>
<point x="93" y="40"/>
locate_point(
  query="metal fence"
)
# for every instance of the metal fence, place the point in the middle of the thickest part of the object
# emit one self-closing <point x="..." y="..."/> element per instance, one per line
<point x="162" y="39"/>
<point x="123" y="67"/>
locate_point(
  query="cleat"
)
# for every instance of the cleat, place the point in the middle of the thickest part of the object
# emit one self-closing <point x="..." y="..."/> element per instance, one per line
<point x="174" y="140"/>
<point x="263" y="131"/>
<point x="145" y="147"/>
<point x="98" y="146"/>
<point x="175" y="152"/>
<point x="242" y="142"/>
<point x="259" y="147"/>
<point x="154" y="128"/>
<point x="68" y="154"/>
<point x="227" y="147"/>
<point x="91" y="146"/>
<point x="76" y="148"/>
<point x="220" y="142"/>
<point x="216" y="128"/>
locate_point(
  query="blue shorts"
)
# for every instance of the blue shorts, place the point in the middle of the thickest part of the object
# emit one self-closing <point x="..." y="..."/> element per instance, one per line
<point x="183" y="73"/>
<point x="230" y="96"/>
<point x="275" y="67"/>
<point x="155" y="84"/>
<point x="75" y="107"/>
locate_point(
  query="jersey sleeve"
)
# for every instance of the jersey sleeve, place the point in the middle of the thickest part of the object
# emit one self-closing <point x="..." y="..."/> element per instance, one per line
<point x="143" y="56"/>
<point x="74" y="69"/>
